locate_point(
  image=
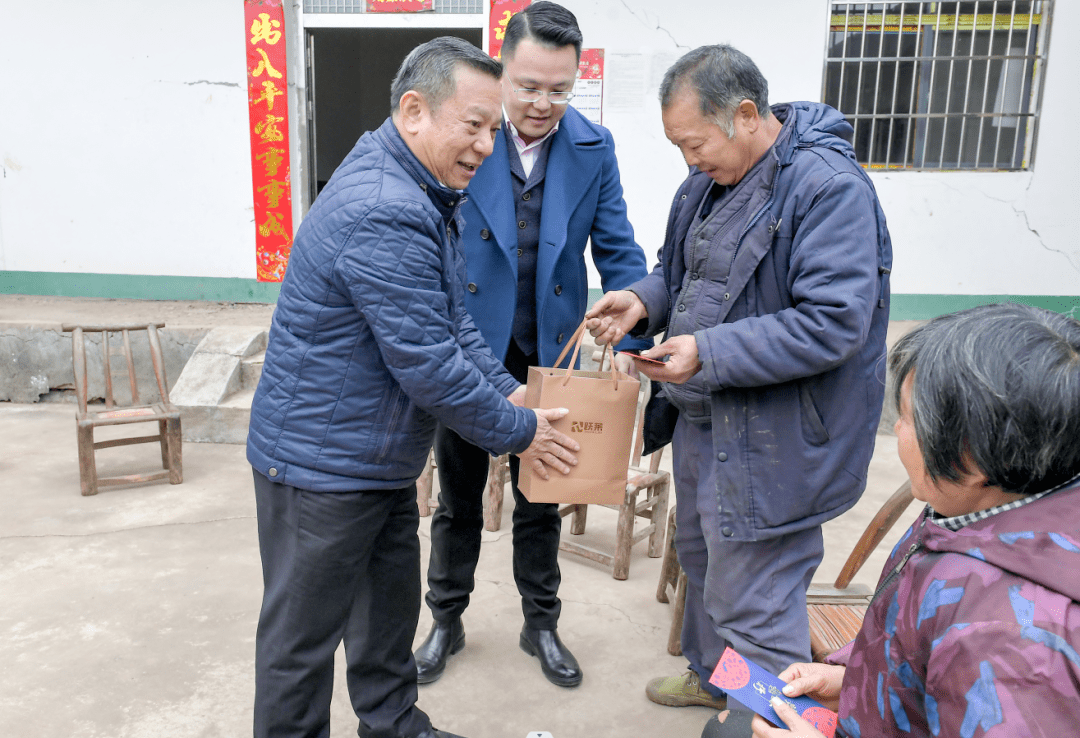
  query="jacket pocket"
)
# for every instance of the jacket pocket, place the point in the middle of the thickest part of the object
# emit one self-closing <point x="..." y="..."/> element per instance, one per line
<point x="813" y="427"/>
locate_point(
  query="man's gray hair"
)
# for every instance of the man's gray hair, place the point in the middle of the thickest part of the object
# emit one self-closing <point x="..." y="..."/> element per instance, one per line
<point x="722" y="77"/>
<point x="997" y="388"/>
<point x="429" y="69"/>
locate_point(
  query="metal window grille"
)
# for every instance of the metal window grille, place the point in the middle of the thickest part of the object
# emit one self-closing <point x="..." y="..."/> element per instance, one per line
<point x="939" y="85"/>
<point x="360" y="6"/>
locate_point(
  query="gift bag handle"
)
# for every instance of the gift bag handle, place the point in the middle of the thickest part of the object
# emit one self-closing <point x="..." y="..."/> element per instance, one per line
<point x="575" y="341"/>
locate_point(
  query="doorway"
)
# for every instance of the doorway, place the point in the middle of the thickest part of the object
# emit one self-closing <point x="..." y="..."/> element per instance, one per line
<point x="349" y="76"/>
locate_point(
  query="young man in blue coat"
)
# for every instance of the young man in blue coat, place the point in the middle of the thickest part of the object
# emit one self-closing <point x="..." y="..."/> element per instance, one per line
<point x="550" y="185"/>
<point x="772" y="290"/>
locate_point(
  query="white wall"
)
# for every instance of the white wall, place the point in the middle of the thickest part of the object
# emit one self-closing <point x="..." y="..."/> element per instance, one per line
<point x="124" y="142"/>
<point x="123" y="139"/>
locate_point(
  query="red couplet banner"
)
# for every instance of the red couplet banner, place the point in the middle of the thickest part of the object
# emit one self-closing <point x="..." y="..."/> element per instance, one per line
<point x="268" y="112"/>
<point x="501" y="10"/>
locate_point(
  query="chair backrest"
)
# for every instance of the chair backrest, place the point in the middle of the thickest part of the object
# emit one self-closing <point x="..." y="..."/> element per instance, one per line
<point x="875" y="532"/>
<point x="79" y="362"/>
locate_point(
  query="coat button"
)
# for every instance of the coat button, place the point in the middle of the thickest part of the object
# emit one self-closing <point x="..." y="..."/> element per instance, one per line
<point x="694" y="275"/>
<point x="559" y="339"/>
<point x="485" y="233"/>
<point x="272" y="471"/>
<point x="726" y="531"/>
<point x="682" y="308"/>
<point x="526" y="196"/>
<point x="472" y="287"/>
<point x="722" y="456"/>
<point x="727" y="295"/>
<point x="521" y="251"/>
<point x="558" y="289"/>
<point x="522" y="224"/>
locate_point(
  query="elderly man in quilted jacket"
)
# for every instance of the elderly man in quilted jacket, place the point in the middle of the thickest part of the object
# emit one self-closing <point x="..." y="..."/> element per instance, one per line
<point x="370" y="348"/>
<point x="772" y="289"/>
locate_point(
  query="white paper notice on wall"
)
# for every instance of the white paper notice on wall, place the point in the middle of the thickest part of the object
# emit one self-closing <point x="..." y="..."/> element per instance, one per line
<point x="627" y="74"/>
<point x="589" y="88"/>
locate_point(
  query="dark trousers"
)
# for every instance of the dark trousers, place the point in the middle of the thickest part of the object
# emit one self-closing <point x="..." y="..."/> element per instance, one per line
<point x="337" y="567"/>
<point x="459" y="519"/>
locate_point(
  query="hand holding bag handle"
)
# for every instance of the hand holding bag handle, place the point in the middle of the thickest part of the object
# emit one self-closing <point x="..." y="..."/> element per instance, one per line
<point x="576" y="340"/>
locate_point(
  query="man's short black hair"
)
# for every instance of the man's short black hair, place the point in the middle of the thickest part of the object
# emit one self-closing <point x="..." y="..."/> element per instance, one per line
<point x="722" y="76"/>
<point x="430" y="67"/>
<point x="996" y="387"/>
<point x="545" y="22"/>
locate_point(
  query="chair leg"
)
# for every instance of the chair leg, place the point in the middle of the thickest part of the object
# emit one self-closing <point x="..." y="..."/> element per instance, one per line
<point x="175" y="451"/>
<point x="674" y="643"/>
<point x="624" y="537"/>
<point x="659" y="515"/>
<point x="498" y="472"/>
<point x="163" y="436"/>
<point x="577" y="521"/>
<point x="423" y="487"/>
<point x="87" y="465"/>
<point x="669" y="569"/>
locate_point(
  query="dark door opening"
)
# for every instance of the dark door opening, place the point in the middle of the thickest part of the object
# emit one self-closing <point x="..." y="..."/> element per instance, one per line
<point x="349" y="76"/>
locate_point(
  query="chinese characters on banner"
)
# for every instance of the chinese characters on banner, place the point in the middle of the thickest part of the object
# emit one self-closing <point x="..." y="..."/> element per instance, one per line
<point x="268" y="112"/>
<point x="501" y="10"/>
<point x="400" y="6"/>
<point x="589" y="88"/>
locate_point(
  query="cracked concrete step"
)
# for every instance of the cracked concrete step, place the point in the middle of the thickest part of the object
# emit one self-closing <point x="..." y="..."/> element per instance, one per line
<point x="215" y="389"/>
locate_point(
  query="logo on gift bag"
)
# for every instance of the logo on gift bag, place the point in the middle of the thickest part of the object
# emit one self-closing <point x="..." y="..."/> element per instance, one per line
<point x="581" y="426"/>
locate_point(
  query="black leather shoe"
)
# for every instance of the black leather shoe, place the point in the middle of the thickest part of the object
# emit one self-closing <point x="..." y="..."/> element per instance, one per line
<point x="432" y="733"/>
<point x="444" y="640"/>
<point x="558" y="664"/>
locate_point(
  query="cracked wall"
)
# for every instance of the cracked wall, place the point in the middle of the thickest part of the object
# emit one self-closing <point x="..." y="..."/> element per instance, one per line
<point x="36" y="364"/>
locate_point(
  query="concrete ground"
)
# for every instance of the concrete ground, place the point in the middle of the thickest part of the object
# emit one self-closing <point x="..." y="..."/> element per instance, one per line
<point x="132" y="614"/>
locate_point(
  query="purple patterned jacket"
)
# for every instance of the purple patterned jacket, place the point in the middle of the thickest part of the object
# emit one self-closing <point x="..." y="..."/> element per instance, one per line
<point x="977" y="633"/>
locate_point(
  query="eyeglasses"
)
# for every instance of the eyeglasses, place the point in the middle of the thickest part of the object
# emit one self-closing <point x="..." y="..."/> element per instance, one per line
<point x="526" y="94"/>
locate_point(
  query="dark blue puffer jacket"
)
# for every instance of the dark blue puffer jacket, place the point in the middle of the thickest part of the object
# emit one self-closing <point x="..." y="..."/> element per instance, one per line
<point x="370" y="344"/>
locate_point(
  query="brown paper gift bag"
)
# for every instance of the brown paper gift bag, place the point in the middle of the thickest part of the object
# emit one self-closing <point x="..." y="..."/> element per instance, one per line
<point x="602" y="411"/>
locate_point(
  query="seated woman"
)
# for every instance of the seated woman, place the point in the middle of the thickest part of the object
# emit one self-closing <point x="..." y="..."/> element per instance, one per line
<point x="975" y="626"/>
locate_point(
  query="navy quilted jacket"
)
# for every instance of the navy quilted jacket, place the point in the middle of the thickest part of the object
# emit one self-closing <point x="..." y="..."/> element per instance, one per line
<point x="370" y="344"/>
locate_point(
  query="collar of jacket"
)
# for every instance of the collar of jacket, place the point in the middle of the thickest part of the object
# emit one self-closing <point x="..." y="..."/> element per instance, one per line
<point x="446" y="200"/>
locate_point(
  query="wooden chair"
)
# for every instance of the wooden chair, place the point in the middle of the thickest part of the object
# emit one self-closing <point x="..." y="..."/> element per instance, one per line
<point x="498" y="476"/>
<point x="164" y="413"/>
<point x="836" y="612"/>
<point x="656" y="485"/>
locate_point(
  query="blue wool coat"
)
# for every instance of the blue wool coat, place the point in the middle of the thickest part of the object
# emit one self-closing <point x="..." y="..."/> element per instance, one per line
<point x="583" y="198"/>
<point x="370" y="345"/>
<point x="795" y="366"/>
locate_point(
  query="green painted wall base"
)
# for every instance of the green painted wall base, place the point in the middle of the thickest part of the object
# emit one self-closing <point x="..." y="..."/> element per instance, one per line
<point x="220" y="289"/>
<point x="138" y="287"/>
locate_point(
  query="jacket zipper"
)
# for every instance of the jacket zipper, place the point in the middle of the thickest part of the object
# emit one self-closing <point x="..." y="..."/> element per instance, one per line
<point x="757" y="216"/>
<point x="896" y="569"/>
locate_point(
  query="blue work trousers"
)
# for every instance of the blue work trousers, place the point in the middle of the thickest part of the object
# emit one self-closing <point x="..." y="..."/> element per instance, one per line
<point x="750" y="595"/>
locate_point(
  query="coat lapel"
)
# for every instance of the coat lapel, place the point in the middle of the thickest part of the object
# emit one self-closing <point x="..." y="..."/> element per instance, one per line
<point x="492" y="192"/>
<point x="574" y="162"/>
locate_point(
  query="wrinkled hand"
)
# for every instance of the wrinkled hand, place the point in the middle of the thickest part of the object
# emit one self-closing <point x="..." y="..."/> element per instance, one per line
<point x="819" y="681"/>
<point x="613" y="315"/>
<point x="626" y="365"/>
<point x="517" y="397"/>
<point x="681" y="364"/>
<point x="797" y="727"/>
<point x="549" y="447"/>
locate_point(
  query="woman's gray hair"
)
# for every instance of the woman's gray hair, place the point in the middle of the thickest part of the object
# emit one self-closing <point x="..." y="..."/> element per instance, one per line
<point x="722" y="77"/>
<point x="996" y="388"/>
<point x="429" y="69"/>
